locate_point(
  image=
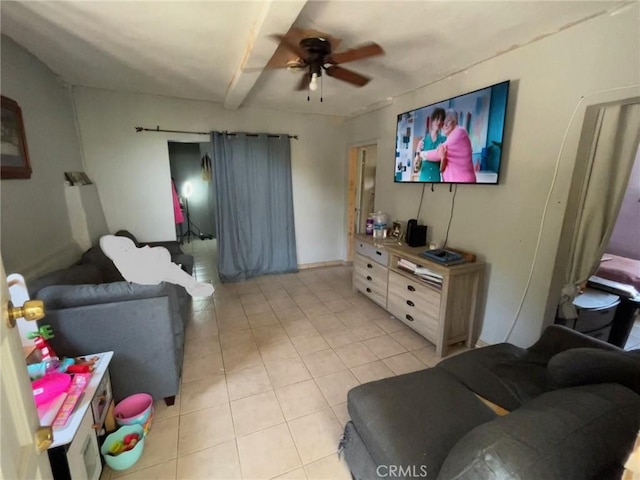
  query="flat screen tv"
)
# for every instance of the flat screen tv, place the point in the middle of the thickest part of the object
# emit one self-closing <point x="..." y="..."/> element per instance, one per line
<point x="457" y="140"/>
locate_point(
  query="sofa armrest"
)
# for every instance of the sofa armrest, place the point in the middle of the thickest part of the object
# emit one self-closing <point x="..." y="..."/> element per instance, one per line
<point x="558" y="338"/>
<point x="144" y="334"/>
<point x="572" y="433"/>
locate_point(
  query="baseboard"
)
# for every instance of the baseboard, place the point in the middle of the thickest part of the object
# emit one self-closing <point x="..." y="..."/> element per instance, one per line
<point x="333" y="263"/>
<point x="481" y="343"/>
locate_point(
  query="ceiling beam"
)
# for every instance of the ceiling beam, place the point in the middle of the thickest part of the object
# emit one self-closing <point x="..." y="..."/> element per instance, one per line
<point x="275" y="17"/>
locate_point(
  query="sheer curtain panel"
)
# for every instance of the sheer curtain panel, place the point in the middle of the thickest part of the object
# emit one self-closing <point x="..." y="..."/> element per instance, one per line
<point x="613" y="150"/>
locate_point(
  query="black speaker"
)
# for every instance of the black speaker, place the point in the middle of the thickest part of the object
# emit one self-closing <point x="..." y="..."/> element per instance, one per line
<point x="416" y="234"/>
<point x="411" y="223"/>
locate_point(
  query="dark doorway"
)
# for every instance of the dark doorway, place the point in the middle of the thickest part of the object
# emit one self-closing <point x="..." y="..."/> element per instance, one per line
<point x="186" y="164"/>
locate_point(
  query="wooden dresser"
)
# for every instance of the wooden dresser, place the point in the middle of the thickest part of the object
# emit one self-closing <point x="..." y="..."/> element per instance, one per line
<point x="443" y="309"/>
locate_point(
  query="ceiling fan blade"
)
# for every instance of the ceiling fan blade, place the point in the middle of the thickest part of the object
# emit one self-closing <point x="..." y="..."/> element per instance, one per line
<point x="364" y="51"/>
<point x="289" y="45"/>
<point x="303" y="84"/>
<point x="348" y="76"/>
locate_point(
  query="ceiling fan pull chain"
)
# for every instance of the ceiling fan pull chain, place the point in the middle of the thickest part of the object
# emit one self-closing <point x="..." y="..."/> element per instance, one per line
<point x="321" y="82"/>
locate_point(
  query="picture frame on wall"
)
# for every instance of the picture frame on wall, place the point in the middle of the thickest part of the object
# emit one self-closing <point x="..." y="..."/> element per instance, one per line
<point x="14" y="156"/>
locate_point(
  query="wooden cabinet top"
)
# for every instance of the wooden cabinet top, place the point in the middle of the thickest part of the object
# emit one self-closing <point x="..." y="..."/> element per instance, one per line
<point x="413" y="254"/>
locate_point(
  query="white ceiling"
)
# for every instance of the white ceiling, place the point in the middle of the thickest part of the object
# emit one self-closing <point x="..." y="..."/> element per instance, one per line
<point x="216" y="50"/>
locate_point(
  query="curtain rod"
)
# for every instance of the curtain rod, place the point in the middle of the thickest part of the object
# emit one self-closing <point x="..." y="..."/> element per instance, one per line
<point x="158" y="129"/>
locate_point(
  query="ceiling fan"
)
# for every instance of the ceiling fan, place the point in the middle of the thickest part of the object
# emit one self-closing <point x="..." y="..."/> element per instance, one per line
<point x="315" y="54"/>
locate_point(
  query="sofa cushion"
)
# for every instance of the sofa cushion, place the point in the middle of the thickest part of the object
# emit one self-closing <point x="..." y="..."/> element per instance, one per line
<point x="95" y="256"/>
<point x="408" y="420"/>
<point x="585" y="366"/>
<point x="74" y="275"/>
<point x="575" y="433"/>
<point x="503" y="374"/>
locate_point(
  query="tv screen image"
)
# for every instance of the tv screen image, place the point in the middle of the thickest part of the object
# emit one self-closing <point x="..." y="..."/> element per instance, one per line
<point x="458" y="140"/>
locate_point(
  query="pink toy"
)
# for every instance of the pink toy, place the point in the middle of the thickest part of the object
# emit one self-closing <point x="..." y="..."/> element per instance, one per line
<point x="40" y="338"/>
<point x="80" y="381"/>
<point x="49" y="387"/>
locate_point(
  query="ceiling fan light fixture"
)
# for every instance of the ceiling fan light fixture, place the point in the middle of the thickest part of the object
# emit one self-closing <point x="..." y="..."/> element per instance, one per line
<point x="296" y="65"/>
<point x="313" y="84"/>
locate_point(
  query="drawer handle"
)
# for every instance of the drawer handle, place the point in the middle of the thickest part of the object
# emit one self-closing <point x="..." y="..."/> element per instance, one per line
<point x="369" y="278"/>
<point x="411" y="288"/>
<point x="369" y="290"/>
<point x="410" y="303"/>
<point x="369" y="265"/>
<point x="378" y="253"/>
<point x="409" y="317"/>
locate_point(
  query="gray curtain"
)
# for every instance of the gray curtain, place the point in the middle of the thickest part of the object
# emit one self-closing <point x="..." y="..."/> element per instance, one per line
<point x="613" y="151"/>
<point x="254" y="221"/>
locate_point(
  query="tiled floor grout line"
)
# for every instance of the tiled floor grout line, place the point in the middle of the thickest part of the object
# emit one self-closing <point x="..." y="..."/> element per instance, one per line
<point x="291" y="288"/>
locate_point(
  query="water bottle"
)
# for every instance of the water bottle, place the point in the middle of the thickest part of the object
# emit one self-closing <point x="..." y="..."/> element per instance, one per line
<point x="379" y="225"/>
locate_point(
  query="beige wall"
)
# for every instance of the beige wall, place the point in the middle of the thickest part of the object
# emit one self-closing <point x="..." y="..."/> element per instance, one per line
<point x="132" y="169"/>
<point x="35" y="228"/>
<point x="501" y="223"/>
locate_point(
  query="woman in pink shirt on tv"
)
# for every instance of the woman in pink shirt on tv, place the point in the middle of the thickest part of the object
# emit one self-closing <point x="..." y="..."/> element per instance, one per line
<point x="454" y="154"/>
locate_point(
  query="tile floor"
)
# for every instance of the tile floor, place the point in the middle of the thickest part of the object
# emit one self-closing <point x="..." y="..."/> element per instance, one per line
<point x="267" y="367"/>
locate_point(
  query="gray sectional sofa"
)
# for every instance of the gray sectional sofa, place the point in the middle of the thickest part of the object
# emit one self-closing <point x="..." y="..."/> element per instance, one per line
<point x="574" y="413"/>
<point x="92" y="309"/>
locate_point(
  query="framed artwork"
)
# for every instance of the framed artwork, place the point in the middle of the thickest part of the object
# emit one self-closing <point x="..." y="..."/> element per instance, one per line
<point x="14" y="157"/>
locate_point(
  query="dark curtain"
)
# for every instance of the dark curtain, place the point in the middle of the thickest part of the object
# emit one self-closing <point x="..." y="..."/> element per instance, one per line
<point x="254" y="221"/>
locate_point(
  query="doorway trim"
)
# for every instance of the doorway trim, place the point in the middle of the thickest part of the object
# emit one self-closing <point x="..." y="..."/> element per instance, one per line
<point x="352" y="178"/>
<point x="579" y="146"/>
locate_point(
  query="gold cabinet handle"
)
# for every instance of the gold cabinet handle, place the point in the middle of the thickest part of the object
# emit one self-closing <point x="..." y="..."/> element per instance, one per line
<point x="31" y="310"/>
<point x="43" y="438"/>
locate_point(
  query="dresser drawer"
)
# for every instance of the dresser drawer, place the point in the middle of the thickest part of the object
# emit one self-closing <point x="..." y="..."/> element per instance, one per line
<point x="365" y="267"/>
<point x="368" y="278"/>
<point x="415" y="304"/>
<point x="374" y="290"/>
<point x="421" y="321"/>
<point x="414" y="293"/>
<point x="378" y="255"/>
<point x="371" y="279"/>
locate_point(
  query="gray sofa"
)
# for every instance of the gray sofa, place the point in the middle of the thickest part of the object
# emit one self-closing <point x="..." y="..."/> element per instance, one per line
<point x="92" y="309"/>
<point x="574" y="406"/>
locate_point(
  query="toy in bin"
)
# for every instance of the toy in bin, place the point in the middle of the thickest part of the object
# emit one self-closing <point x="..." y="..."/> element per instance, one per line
<point x="123" y="448"/>
<point x="135" y="410"/>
